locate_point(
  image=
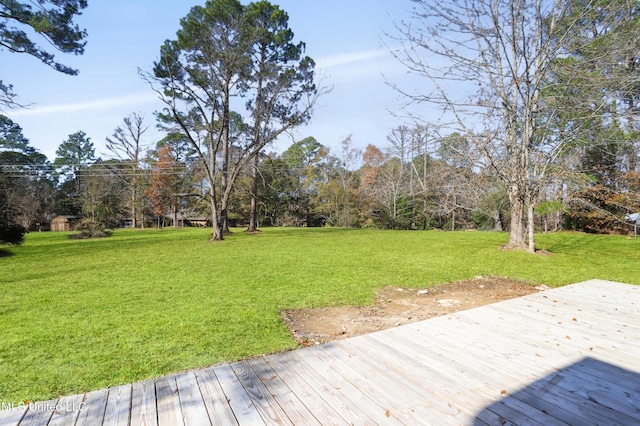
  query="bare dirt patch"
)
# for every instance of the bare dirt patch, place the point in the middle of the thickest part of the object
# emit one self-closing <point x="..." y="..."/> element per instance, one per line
<point x="396" y="306"/>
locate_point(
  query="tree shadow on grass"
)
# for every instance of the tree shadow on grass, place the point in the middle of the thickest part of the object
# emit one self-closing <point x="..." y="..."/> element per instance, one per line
<point x="5" y="253"/>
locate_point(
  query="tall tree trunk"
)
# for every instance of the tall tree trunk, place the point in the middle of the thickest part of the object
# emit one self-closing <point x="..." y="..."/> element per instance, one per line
<point x="216" y="222"/>
<point x="216" y="215"/>
<point x="516" y="228"/>
<point x="175" y="216"/>
<point x="133" y="209"/>
<point x="531" y="228"/>
<point x="253" y="213"/>
<point x="224" y="220"/>
<point x="425" y="222"/>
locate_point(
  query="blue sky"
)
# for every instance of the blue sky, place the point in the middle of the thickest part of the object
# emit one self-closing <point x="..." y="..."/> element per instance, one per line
<point x="345" y="38"/>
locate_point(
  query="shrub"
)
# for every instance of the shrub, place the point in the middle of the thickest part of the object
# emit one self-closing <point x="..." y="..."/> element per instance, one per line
<point x="11" y="233"/>
<point x="90" y="228"/>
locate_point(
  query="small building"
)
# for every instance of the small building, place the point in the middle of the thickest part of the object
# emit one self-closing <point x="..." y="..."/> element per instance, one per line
<point x="201" y="222"/>
<point x="186" y="220"/>
<point x="63" y="223"/>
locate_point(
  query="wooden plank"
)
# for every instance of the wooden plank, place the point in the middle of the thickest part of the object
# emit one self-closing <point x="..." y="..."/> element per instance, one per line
<point x="582" y="298"/>
<point x="482" y="353"/>
<point x="265" y="403"/>
<point x="487" y="330"/>
<point x="67" y="410"/>
<point x="39" y="413"/>
<point x="480" y="334"/>
<point x="626" y="380"/>
<point x="307" y="391"/>
<point x="400" y="399"/>
<point x="478" y="366"/>
<point x="489" y="418"/>
<point x="551" y="335"/>
<point x="144" y="411"/>
<point x="436" y="397"/>
<point x="12" y="414"/>
<point x="168" y="402"/>
<point x="529" y="417"/>
<point x="520" y="359"/>
<point x="295" y="409"/>
<point x="428" y="365"/>
<point x="118" y="408"/>
<point x="193" y="409"/>
<point x="469" y="391"/>
<point x="354" y="406"/>
<point x="239" y="401"/>
<point x="94" y="406"/>
<point x="214" y="398"/>
<point x="604" y="291"/>
<point x="566" y="405"/>
<point x="575" y="314"/>
<point x="604" y="396"/>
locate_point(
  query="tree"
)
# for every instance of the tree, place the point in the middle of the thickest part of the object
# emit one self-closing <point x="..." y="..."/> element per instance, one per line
<point x="601" y="114"/>
<point x="25" y="187"/>
<point x="163" y="189"/>
<point x="385" y="186"/>
<point x="72" y="157"/>
<point x="341" y="191"/>
<point x="499" y="54"/>
<point x="103" y="196"/>
<point x="303" y="159"/>
<point x="212" y="62"/>
<point x="127" y="145"/>
<point x="281" y="79"/>
<point x="455" y="178"/>
<point x="275" y="185"/>
<point x="53" y="21"/>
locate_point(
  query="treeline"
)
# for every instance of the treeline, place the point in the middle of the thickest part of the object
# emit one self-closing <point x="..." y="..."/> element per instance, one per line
<point x="547" y="137"/>
<point x="418" y="180"/>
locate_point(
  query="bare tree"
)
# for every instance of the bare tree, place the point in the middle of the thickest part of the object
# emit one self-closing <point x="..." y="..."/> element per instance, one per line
<point x="488" y="61"/>
<point x="347" y="158"/>
<point x="127" y="146"/>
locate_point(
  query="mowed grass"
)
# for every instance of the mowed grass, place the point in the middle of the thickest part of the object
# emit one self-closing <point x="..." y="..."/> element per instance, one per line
<point x="77" y="315"/>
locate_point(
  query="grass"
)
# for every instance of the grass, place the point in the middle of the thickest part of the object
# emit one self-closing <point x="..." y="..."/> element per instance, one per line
<point x="78" y="315"/>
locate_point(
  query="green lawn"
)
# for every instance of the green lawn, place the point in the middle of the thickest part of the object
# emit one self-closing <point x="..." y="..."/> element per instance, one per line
<point x="78" y="315"/>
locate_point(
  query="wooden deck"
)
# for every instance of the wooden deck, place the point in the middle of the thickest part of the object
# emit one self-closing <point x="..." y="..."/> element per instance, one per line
<point x="565" y="356"/>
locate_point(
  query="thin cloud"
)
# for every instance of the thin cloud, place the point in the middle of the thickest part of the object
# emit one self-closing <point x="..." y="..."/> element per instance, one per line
<point x="100" y="104"/>
<point x="350" y="58"/>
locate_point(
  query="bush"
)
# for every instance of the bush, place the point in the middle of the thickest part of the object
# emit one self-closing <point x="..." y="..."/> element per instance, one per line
<point x="91" y="229"/>
<point x="11" y="233"/>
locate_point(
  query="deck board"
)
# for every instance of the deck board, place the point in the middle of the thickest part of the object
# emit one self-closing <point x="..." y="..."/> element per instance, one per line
<point x="118" y="406"/>
<point x="569" y="355"/>
<point x="38" y="413"/>
<point x="168" y="402"/>
<point x="295" y="409"/>
<point x="354" y="404"/>
<point x="214" y="398"/>
<point x="309" y="390"/>
<point x="95" y="404"/>
<point x="67" y="411"/>
<point x="144" y="411"/>
<point x="192" y="405"/>
<point x="262" y="399"/>
<point x="239" y="400"/>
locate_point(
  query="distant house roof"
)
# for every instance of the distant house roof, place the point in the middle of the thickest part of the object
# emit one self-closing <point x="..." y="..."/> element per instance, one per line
<point x="65" y="217"/>
<point x="181" y="216"/>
